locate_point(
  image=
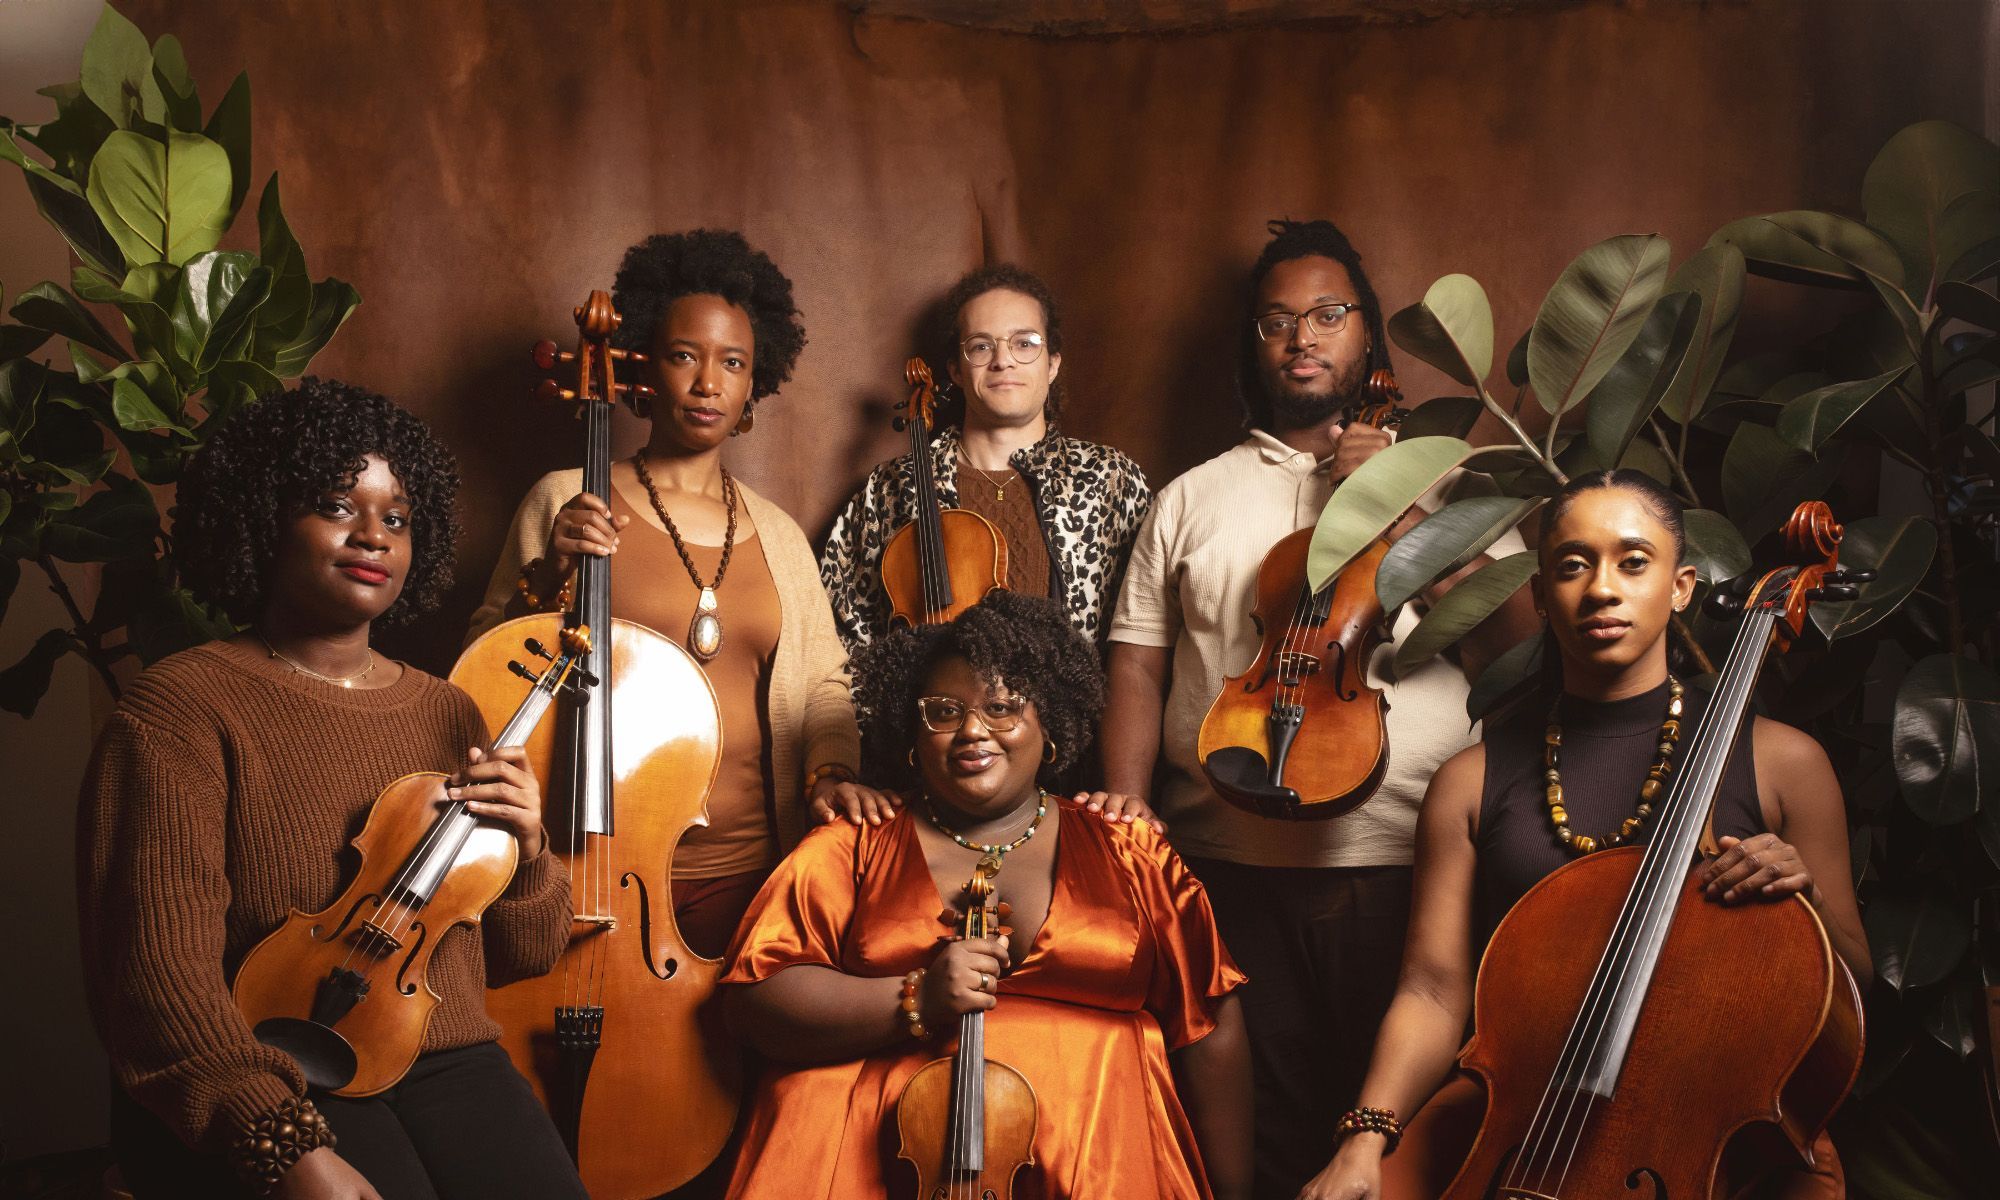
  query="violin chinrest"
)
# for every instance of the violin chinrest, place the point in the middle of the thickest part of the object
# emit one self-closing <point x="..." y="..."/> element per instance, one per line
<point x="1244" y="775"/>
<point x="326" y="1058"/>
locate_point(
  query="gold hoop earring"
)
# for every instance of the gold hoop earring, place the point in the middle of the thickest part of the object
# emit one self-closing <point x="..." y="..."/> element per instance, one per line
<point x="912" y="756"/>
<point x="1049" y="751"/>
<point x="748" y="422"/>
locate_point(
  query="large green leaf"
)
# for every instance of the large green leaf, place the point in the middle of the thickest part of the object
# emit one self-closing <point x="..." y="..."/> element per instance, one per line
<point x="1977" y="264"/>
<point x="1947" y="737"/>
<point x="140" y="298"/>
<point x="1968" y="303"/>
<point x="135" y="411"/>
<point x="1813" y="247"/>
<point x="1374" y="497"/>
<point x="1715" y="273"/>
<point x="19" y="341"/>
<point x="170" y="72"/>
<point x="1621" y="405"/>
<point x="1591" y="316"/>
<point x="118" y="72"/>
<point x="46" y="306"/>
<point x="283" y="316"/>
<point x="229" y="127"/>
<point x="1810" y="421"/>
<point x="235" y="383"/>
<point x="1898" y="550"/>
<point x="332" y="302"/>
<point x="1445" y="541"/>
<point x="1714" y="546"/>
<point x="1517" y="359"/>
<point x="1764" y="477"/>
<point x="1451" y="328"/>
<point x="73" y="217"/>
<point x="213" y="308"/>
<point x="1470" y="601"/>
<point x="23" y="685"/>
<point x="172" y="621"/>
<point x="1934" y="192"/>
<point x="1916" y="939"/>
<point x="1954" y="1014"/>
<point x="1440" y="416"/>
<point x="1502" y="676"/>
<point x="119" y="522"/>
<point x="162" y="203"/>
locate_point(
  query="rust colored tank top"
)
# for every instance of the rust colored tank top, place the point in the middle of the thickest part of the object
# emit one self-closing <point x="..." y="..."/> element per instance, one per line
<point x="650" y="585"/>
<point x="1606" y="752"/>
<point x="1014" y="517"/>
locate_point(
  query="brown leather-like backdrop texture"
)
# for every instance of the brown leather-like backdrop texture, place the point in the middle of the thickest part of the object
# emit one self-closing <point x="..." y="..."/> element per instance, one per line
<point x="475" y="169"/>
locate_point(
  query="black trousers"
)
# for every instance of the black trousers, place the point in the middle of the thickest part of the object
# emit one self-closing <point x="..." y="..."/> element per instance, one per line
<point x="1322" y="947"/>
<point x="462" y="1125"/>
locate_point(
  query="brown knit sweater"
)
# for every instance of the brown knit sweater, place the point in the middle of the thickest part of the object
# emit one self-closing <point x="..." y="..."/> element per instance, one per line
<point x="223" y="794"/>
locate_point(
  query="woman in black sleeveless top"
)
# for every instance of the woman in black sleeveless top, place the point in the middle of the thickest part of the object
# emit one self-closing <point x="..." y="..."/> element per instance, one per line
<point x="1613" y="573"/>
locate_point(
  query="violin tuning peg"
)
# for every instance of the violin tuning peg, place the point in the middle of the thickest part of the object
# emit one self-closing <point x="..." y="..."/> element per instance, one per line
<point x="537" y="649"/>
<point x="900" y="424"/>
<point x="637" y="389"/>
<point x="545" y="355"/>
<point x="549" y="389"/>
<point x="630" y="356"/>
<point x="580" y="679"/>
<point x="523" y="672"/>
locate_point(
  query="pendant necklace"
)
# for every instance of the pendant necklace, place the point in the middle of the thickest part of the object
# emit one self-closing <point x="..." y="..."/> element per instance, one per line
<point x="705" y="630"/>
<point x="999" y="489"/>
<point x="346" y="681"/>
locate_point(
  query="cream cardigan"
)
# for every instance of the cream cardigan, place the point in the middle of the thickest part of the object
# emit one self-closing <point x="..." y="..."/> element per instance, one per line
<point x="811" y="706"/>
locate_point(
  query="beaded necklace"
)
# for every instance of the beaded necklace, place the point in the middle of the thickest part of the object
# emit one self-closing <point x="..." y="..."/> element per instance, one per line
<point x="1649" y="791"/>
<point x="1041" y="809"/>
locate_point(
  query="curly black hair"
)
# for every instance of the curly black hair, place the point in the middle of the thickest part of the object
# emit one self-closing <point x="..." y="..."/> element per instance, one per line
<point x="281" y="453"/>
<point x="1303" y="239"/>
<point x="1025" y="642"/>
<point x="711" y="262"/>
<point x="974" y="284"/>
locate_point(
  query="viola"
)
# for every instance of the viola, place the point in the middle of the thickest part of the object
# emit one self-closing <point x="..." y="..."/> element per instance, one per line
<point x="344" y="990"/>
<point x="1626" y="1029"/>
<point x="968" y="1123"/>
<point x="947" y="559"/>
<point x="619" y="1040"/>
<point x="1301" y="735"/>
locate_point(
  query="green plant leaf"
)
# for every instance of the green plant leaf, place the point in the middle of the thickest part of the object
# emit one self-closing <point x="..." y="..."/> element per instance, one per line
<point x="10" y="567"/>
<point x="73" y="217"/>
<point x="1913" y="191"/>
<point x="1916" y="939"/>
<point x="1445" y="541"/>
<point x="1462" y="608"/>
<point x="1764" y="477"/>
<point x="72" y="139"/>
<point x="1899" y="551"/>
<point x="10" y="151"/>
<point x="161" y="203"/>
<point x="1374" y="497"/>
<point x="1591" y="316"/>
<point x="1976" y="264"/>
<point x="1810" y="421"/>
<point x="1714" y="546"/>
<point x="173" y="621"/>
<point x="1814" y="248"/>
<point x="229" y="127"/>
<point x="21" y="384"/>
<point x="118" y="72"/>
<point x="170" y="73"/>
<point x="1442" y="416"/>
<point x="1517" y="359"/>
<point x="1953" y="1015"/>
<point x="137" y="298"/>
<point x="333" y="301"/>
<point x="1947" y="737"/>
<point x="1715" y="273"/>
<point x="1968" y="303"/>
<point x="46" y="306"/>
<point x="1451" y="328"/>
<point x="134" y="410"/>
<point x="119" y="522"/>
<point x="1620" y="406"/>
<point x="218" y="296"/>
<point x="23" y="685"/>
<point x="284" y="314"/>
<point x="19" y="341"/>
<point x="1502" y="676"/>
<point x="235" y="383"/>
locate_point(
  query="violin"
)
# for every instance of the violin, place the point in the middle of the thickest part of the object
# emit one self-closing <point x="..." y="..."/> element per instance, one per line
<point x="947" y="559"/>
<point x="344" y="990"/>
<point x="1627" y="1030"/>
<point x="618" y="1040"/>
<point x="967" y="1123"/>
<point x="1301" y="735"/>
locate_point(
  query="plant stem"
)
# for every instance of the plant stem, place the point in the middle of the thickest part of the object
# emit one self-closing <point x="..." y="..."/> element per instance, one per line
<point x="1680" y="472"/>
<point x="1521" y="435"/>
<point x="93" y="648"/>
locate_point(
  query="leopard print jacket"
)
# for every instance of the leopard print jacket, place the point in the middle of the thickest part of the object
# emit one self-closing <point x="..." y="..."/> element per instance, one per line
<point x="1091" y="500"/>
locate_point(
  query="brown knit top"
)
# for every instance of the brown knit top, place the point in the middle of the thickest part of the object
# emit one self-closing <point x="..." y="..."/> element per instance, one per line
<point x="222" y="794"/>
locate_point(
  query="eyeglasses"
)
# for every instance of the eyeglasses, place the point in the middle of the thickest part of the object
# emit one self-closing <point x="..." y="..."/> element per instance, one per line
<point x="942" y="714"/>
<point x="1324" y="321"/>
<point x="979" y="349"/>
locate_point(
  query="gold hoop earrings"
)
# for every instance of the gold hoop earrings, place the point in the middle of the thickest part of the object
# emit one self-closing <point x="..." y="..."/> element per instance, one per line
<point x="748" y="422"/>
<point x="1049" y="750"/>
<point x="912" y="756"/>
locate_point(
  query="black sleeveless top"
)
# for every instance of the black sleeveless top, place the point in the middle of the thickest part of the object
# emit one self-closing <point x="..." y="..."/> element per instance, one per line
<point x="1607" y="749"/>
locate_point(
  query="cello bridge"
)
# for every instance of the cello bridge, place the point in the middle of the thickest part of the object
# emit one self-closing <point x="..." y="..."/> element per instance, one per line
<point x="1295" y="667"/>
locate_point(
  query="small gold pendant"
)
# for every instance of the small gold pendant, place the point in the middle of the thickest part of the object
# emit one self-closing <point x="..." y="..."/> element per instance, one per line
<point x="705" y="631"/>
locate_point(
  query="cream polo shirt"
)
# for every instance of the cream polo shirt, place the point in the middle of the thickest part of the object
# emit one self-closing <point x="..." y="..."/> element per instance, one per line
<point x="1192" y="585"/>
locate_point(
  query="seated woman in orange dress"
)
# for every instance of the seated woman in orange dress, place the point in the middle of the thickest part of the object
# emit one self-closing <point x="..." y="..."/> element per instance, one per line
<point x="1110" y="992"/>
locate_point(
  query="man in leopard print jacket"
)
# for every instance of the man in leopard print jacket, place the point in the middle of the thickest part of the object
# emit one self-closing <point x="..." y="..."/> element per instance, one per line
<point x="1068" y="509"/>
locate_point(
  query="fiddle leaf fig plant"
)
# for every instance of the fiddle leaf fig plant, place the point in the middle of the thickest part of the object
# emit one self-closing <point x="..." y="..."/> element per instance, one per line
<point x="164" y="332"/>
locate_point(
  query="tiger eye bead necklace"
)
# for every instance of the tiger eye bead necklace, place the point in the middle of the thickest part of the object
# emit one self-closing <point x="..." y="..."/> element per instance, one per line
<point x="1649" y="791"/>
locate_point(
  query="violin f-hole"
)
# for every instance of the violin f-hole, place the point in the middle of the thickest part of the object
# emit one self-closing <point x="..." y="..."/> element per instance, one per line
<point x="668" y="968"/>
<point x="404" y="983"/>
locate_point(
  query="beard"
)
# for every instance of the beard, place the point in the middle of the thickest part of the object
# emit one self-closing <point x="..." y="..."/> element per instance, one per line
<point x="1293" y="407"/>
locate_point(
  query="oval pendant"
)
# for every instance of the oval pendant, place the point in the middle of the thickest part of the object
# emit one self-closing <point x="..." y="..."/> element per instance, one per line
<point x="705" y="631"/>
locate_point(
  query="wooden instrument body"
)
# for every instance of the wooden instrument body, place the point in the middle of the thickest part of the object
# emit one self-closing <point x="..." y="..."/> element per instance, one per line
<point x="974" y="562"/>
<point x="1341" y="748"/>
<point x="282" y="975"/>
<point x="1743" y="995"/>
<point x="665" y="1086"/>
<point x="923" y="1117"/>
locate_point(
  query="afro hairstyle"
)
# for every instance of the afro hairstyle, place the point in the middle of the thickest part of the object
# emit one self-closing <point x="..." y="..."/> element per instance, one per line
<point x="711" y="262"/>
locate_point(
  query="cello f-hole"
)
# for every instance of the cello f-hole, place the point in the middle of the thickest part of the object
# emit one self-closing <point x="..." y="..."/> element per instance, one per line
<point x="663" y="970"/>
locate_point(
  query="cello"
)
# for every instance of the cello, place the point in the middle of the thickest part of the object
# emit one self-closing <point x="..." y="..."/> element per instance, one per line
<point x="343" y="990"/>
<point x="947" y="559"/>
<point x="618" y="1040"/>
<point x="1605" y="1084"/>
<point x="1300" y="735"/>
<point x="968" y="1123"/>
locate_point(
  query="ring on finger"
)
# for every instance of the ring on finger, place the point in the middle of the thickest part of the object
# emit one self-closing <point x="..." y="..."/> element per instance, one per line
<point x="985" y="982"/>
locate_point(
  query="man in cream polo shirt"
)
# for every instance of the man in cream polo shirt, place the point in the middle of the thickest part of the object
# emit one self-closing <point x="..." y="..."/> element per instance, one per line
<point x="1314" y="911"/>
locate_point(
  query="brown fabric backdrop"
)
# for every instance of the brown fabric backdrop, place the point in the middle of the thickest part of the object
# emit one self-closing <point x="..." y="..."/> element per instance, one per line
<point x="475" y="168"/>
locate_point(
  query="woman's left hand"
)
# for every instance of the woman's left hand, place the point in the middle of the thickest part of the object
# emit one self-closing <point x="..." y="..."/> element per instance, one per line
<point x="499" y="786"/>
<point x="860" y="804"/>
<point x="1762" y="867"/>
<point x="1120" y="809"/>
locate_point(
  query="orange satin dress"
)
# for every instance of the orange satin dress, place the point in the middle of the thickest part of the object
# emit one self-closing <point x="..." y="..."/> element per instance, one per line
<point x="1127" y="966"/>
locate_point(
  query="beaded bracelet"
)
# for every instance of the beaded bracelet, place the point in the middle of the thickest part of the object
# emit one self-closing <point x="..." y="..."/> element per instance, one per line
<point x="1372" y="1120"/>
<point x="559" y="603"/>
<point x="913" y="1020"/>
<point x="272" y="1143"/>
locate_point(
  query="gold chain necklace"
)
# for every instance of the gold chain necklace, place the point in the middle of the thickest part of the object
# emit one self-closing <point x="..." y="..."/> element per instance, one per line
<point x="346" y="681"/>
<point x="1000" y="488"/>
<point x="1649" y="791"/>
<point x="705" y="630"/>
<point x="998" y="851"/>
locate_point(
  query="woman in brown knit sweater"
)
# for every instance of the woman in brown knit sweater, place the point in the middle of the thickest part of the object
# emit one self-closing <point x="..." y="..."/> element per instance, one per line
<point x="225" y="790"/>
